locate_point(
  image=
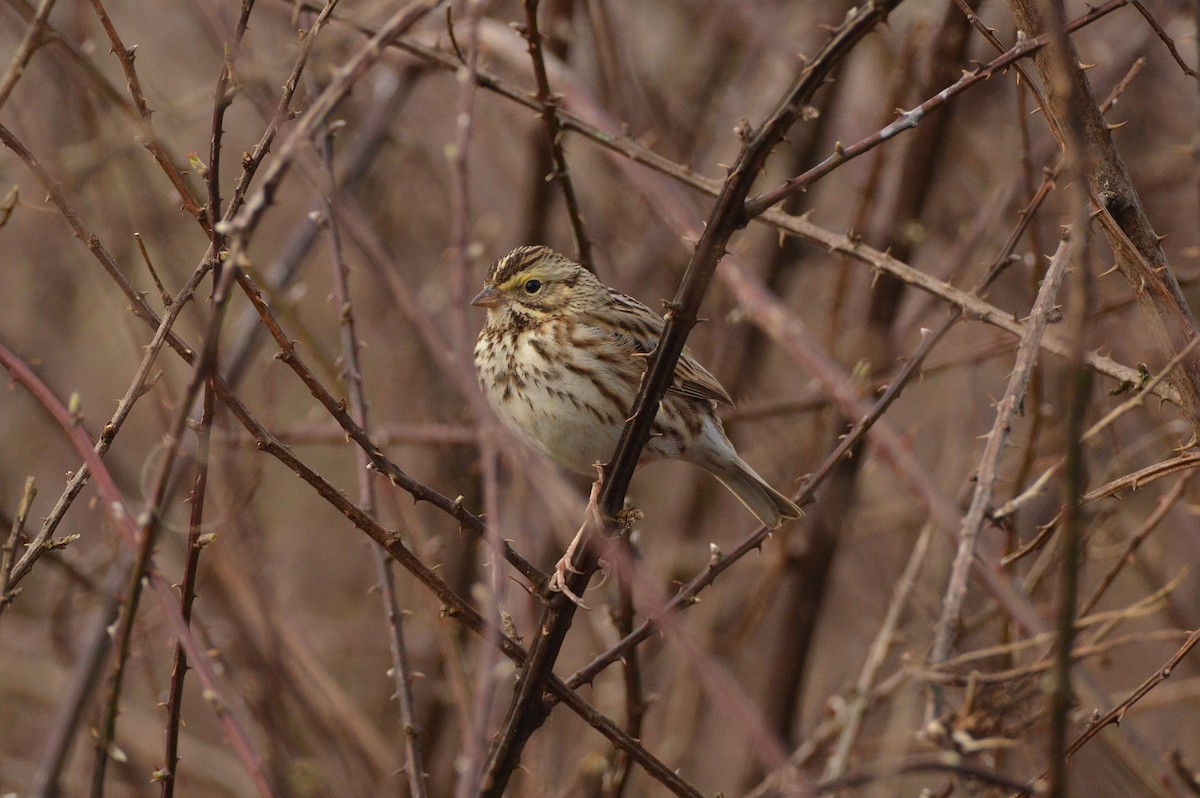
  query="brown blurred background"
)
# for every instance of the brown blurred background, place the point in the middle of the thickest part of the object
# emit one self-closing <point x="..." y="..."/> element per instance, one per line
<point x="286" y="591"/>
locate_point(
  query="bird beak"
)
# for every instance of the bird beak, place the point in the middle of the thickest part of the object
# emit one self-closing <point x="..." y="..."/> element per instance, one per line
<point x="489" y="297"/>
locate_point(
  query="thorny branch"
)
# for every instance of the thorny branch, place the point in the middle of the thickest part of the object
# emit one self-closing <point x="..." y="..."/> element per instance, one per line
<point x="633" y="151"/>
<point x="128" y="524"/>
<point x="554" y="134"/>
<point x="30" y="42"/>
<point x="352" y="379"/>
<point x="987" y="473"/>
<point x="125" y="55"/>
<point x="911" y="118"/>
<point x="1149" y="276"/>
<point x="527" y="711"/>
<point x="627" y="149"/>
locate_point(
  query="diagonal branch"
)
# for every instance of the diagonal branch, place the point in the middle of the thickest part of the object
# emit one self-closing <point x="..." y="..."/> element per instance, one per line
<point x="1150" y="278"/>
<point x="456" y="606"/>
<point x="125" y="55"/>
<point x="619" y="144"/>
<point x="907" y="120"/>
<point x="128" y="524"/>
<point x="352" y="380"/>
<point x="25" y="50"/>
<point x="527" y="711"/>
<point x="989" y="461"/>
<point x="554" y="132"/>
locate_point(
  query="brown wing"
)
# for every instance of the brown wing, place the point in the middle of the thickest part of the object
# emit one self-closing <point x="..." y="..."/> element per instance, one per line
<point x="693" y="380"/>
<point x="638" y="331"/>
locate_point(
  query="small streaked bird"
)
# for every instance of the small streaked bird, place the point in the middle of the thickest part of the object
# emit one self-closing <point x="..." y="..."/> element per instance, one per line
<point x="561" y="358"/>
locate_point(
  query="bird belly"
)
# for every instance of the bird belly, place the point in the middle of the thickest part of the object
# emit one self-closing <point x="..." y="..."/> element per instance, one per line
<point x="563" y="418"/>
<point x="572" y="410"/>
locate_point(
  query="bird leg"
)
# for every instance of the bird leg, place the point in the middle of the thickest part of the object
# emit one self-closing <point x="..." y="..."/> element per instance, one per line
<point x="625" y="520"/>
<point x="565" y="566"/>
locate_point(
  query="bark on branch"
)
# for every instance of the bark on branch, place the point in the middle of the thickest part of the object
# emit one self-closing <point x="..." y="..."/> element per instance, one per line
<point x="1137" y="248"/>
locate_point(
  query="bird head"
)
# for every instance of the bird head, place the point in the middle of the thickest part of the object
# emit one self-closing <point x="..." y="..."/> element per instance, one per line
<point x="534" y="283"/>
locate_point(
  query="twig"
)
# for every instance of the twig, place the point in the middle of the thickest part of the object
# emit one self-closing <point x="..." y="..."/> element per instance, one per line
<point x="554" y="133"/>
<point x="222" y="97"/>
<point x="1144" y="476"/>
<point x="125" y="57"/>
<point x="163" y="296"/>
<point x="617" y="778"/>
<point x="124" y="520"/>
<point x="25" y="50"/>
<point x="986" y="473"/>
<point x="8" y="553"/>
<point x="1165" y="505"/>
<point x="352" y="379"/>
<point x="187" y="595"/>
<point x="527" y="712"/>
<point x="1167" y="40"/>
<point x="876" y="655"/>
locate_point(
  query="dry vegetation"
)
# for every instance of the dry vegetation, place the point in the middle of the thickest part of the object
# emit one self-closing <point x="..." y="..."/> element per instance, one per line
<point x="241" y="252"/>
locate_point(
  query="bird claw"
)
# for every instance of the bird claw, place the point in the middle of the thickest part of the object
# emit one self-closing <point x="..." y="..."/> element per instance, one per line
<point x="605" y="568"/>
<point x="558" y="582"/>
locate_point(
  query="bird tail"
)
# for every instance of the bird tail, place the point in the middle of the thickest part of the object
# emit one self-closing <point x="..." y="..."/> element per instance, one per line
<point x="768" y="505"/>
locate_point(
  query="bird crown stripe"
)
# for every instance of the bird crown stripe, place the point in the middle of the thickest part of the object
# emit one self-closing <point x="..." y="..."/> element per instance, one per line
<point x="514" y="262"/>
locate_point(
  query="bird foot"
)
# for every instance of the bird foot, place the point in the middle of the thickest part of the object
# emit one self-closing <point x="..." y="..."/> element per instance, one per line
<point x="562" y="569"/>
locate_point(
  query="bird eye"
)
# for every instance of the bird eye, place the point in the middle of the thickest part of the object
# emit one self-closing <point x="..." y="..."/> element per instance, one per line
<point x="533" y="286"/>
